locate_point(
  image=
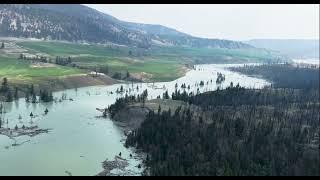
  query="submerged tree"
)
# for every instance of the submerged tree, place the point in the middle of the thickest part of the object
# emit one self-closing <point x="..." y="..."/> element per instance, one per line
<point x="9" y="97"/>
<point x="34" y="98"/>
<point x="46" y="111"/>
<point x="46" y="96"/>
<point x="27" y="97"/>
<point x="16" y="95"/>
<point x="127" y="74"/>
<point x="4" y="85"/>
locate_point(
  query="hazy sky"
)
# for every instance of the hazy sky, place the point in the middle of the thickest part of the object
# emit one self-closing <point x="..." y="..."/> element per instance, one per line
<point x="237" y="22"/>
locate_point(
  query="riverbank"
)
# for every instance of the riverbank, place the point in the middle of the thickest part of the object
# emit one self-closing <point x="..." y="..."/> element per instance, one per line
<point x="131" y="117"/>
<point x="59" y="83"/>
<point x="76" y="127"/>
<point x="65" y="78"/>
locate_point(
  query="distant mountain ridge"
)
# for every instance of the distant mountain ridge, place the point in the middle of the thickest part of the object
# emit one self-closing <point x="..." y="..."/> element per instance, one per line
<point x="294" y="48"/>
<point x="78" y="23"/>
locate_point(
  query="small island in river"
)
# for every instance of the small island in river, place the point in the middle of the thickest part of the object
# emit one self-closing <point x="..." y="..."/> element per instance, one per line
<point x="23" y="131"/>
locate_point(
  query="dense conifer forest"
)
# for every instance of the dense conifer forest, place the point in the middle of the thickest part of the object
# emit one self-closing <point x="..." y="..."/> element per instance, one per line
<point x="282" y="74"/>
<point x="238" y="131"/>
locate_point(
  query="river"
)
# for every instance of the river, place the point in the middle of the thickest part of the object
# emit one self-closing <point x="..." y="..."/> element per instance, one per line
<point x="79" y="140"/>
<point x="311" y="61"/>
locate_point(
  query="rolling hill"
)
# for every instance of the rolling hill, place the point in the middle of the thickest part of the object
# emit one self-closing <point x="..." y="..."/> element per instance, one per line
<point x="78" y="23"/>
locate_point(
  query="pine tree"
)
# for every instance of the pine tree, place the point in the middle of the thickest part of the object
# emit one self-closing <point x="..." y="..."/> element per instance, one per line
<point x="159" y="109"/>
<point x="16" y="95"/>
<point x="31" y="89"/>
<point x="27" y="97"/>
<point x="166" y="95"/>
<point x="46" y="111"/>
<point x="9" y="97"/>
<point x="34" y="98"/>
<point x="128" y="74"/>
<point x="5" y="86"/>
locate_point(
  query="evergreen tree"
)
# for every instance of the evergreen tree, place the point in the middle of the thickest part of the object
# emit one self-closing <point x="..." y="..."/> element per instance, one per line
<point x="5" y="86"/>
<point x="16" y="95"/>
<point x="9" y="97"/>
<point x="46" y="111"/>
<point x="166" y="95"/>
<point x="121" y="89"/>
<point x="31" y="90"/>
<point x="21" y="56"/>
<point x="34" y="98"/>
<point x="128" y="74"/>
<point x="27" y="97"/>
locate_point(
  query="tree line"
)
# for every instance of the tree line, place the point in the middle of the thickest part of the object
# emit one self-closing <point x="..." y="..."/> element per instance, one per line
<point x="251" y="138"/>
<point x="123" y="102"/>
<point x="237" y="131"/>
<point x="282" y="75"/>
<point x="11" y="93"/>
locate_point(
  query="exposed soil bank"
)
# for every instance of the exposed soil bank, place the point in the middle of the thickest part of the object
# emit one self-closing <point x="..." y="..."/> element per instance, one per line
<point x="61" y="83"/>
<point x="73" y="81"/>
<point x="132" y="116"/>
<point x="84" y="80"/>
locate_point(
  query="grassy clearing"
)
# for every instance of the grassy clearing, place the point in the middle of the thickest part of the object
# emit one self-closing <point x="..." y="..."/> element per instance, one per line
<point x="161" y="69"/>
<point x="66" y="49"/>
<point x="164" y="63"/>
<point x="18" y="70"/>
<point x="207" y="55"/>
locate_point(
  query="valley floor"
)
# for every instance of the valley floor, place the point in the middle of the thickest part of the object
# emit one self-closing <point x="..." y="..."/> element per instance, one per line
<point x="159" y="63"/>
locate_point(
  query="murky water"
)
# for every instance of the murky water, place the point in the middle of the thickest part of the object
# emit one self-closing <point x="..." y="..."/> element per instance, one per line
<point x="79" y="140"/>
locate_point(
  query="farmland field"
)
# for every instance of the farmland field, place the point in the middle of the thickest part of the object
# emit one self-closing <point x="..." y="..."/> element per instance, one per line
<point x="161" y="63"/>
<point x="19" y="70"/>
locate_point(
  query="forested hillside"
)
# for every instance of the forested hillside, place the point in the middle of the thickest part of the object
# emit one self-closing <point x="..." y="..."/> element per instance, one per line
<point x="236" y="131"/>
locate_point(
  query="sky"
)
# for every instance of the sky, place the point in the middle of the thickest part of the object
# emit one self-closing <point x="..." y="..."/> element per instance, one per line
<point x="225" y="21"/>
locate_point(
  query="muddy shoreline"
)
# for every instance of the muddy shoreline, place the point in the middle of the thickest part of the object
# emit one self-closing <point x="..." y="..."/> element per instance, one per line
<point x="71" y="82"/>
<point x="117" y="163"/>
<point x="137" y="115"/>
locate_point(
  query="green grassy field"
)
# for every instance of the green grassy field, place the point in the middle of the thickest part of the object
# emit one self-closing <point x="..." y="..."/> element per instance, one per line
<point x="162" y="67"/>
<point x="163" y="63"/>
<point x="67" y="49"/>
<point x="21" y="71"/>
<point x="64" y="49"/>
